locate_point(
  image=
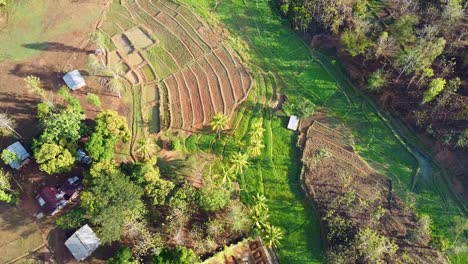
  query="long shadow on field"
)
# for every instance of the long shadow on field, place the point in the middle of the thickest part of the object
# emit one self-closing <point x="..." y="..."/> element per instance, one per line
<point x="51" y="77"/>
<point x="11" y="219"/>
<point x="53" y="47"/>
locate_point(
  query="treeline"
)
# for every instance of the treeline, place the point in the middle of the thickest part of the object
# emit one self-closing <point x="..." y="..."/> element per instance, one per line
<point x="410" y="55"/>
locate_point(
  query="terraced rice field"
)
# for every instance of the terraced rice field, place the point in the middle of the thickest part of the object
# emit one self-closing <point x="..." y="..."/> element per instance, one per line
<point x="186" y="60"/>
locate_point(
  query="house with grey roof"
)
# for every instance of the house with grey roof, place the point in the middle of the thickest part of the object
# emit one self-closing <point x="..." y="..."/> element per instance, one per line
<point x="83" y="243"/>
<point x="22" y="155"/>
<point x="74" y="80"/>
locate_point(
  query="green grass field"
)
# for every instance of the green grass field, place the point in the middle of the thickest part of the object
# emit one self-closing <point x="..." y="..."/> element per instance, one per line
<point x="28" y="32"/>
<point x="308" y="73"/>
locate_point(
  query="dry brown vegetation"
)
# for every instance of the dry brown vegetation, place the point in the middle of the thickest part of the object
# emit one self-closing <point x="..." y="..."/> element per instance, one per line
<point x="351" y="196"/>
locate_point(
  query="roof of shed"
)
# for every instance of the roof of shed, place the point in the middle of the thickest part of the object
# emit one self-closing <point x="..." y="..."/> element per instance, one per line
<point x="293" y="123"/>
<point x="83" y="243"/>
<point x="20" y="152"/>
<point x="74" y="80"/>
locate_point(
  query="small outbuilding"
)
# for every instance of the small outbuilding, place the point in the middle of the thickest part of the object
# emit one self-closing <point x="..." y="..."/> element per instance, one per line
<point x="74" y="80"/>
<point x="293" y="123"/>
<point x="22" y="155"/>
<point x="83" y="243"/>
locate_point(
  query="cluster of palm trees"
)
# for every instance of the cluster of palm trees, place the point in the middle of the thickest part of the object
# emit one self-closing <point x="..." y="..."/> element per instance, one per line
<point x="238" y="162"/>
<point x="271" y="234"/>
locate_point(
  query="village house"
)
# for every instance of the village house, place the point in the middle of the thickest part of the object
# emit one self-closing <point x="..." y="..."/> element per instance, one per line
<point x="83" y="243"/>
<point x="53" y="199"/>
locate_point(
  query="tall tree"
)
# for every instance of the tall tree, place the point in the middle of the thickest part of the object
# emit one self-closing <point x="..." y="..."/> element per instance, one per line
<point x="219" y="123"/>
<point x="53" y="158"/>
<point x="34" y="84"/>
<point x="7" y="123"/>
<point x="147" y="148"/>
<point x="6" y="193"/>
<point x="111" y="201"/>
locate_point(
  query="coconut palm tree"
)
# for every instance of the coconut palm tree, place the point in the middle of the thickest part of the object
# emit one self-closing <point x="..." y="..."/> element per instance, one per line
<point x="272" y="236"/>
<point x="257" y="130"/>
<point x="259" y="216"/>
<point x="256" y="147"/>
<point x="146" y="148"/>
<point x="239" y="162"/>
<point x="34" y="84"/>
<point x="228" y="175"/>
<point x="8" y="123"/>
<point x="116" y="83"/>
<point x="219" y="123"/>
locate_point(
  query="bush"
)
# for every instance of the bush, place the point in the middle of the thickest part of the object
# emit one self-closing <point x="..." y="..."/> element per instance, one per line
<point x="123" y="256"/>
<point x="178" y="255"/>
<point x="72" y="219"/>
<point x="212" y="198"/>
<point x="93" y="100"/>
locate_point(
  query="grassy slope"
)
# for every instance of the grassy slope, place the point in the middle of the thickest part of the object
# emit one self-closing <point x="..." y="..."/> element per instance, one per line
<point x="28" y="26"/>
<point x="276" y="48"/>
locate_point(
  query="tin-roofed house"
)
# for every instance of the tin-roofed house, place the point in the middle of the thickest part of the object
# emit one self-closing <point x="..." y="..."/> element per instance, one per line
<point x="74" y="80"/>
<point x="293" y="123"/>
<point x="83" y="243"/>
<point x="21" y="155"/>
<point x="53" y="199"/>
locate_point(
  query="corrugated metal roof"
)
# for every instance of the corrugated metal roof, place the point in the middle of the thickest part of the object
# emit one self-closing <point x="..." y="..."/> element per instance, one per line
<point x="293" y="123"/>
<point x="74" y="80"/>
<point x="83" y="243"/>
<point x="20" y="152"/>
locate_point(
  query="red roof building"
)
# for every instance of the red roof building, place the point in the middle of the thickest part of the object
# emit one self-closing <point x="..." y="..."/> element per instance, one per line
<point x="53" y="199"/>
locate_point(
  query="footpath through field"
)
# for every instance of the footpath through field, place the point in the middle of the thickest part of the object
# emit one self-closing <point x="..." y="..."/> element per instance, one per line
<point x="307" y="73"/>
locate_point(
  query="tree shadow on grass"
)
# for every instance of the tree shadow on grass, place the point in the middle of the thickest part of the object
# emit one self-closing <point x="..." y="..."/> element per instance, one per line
<point x="53" y="47"/>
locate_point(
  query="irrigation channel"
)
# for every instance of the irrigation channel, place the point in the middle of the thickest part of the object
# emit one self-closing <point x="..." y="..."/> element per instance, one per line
<point x="384" y="142"/>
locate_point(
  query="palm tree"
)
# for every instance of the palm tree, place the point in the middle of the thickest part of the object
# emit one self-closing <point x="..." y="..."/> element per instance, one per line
<point x="219" y="123"/>
<point x="8" y="123"/>
<point x="116" y="83"/>
<point x="256" y="147"/>
<point x="272" y="236"/>
<point x="259" y="216"/>
<point x="257" y="130"/>
<point x="228" y="176"/>
<point x="239" y="161"/>
<point x="146" y="148"/>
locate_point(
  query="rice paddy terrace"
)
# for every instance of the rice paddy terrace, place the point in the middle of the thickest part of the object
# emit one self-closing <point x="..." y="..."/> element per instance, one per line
<point x="182" y="65"/>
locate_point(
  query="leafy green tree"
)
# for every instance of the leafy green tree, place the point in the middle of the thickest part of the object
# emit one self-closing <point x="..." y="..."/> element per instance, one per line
<point x="238" y="218"/>
<point x="436" y="86"/>
<point x="93" y="99"/>
<point x="301" y="107"/>
<point x="376" y="80"/>
<point x="183" y="198"/>
<point x="9" y="156"/>
<point x="110" y="128"/>
<point x="111" y="201"/>
<point x="159" y="190"/>
<point x="6" y="193"/>
<point x="178" y="255"/>
<point x="123" y="256"/>
<point x="239" y="162"/>
<point x="71" y="220"/>
<point x="403" y="29"/>
<point x="213" y="197"/>
<point x="53" y="158"/>
<point x="62" y="127"/>
<point x="219" y="123"/>
<point x="272" y="236"/>
<point x="360" y="8"/>
<point x="355" y="42"/>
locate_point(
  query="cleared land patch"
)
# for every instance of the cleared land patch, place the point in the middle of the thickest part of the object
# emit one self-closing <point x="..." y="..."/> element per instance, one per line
<point x="19" y="235"/>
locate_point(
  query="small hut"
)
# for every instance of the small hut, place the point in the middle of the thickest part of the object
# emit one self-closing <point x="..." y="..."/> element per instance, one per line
<point x="74" y="80"/>
<point x="22" y="155"/>
<point x="83" y="243"/>
<point x="293" y="123"/>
